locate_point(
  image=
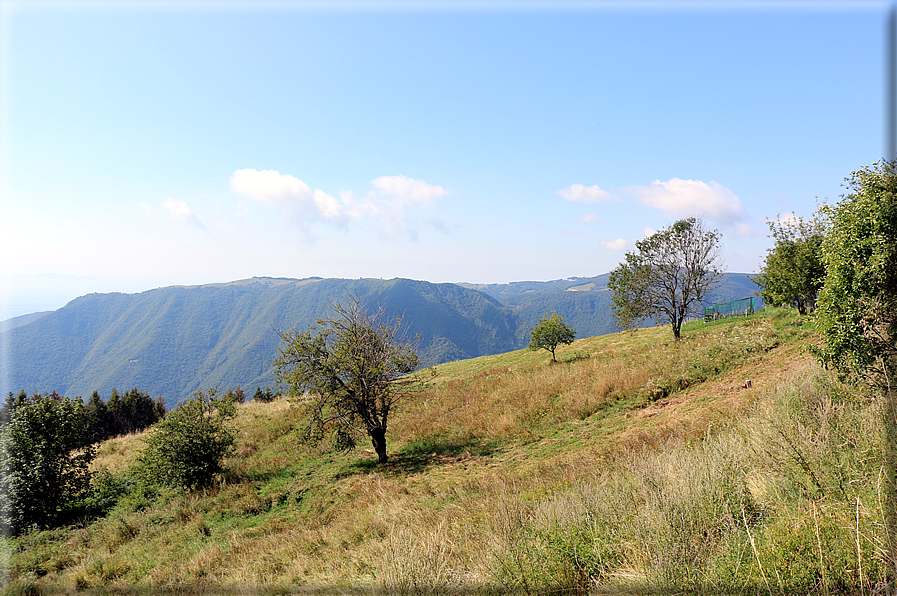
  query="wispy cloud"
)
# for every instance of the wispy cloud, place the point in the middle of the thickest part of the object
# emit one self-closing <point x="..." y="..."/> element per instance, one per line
<point x="743" y="229"/>
<point x="589" y="218"/>
<point x="679" y="198"/>
<point x="180" y="210"/>
<point x="395" y="196"/>
<point x="586" y="194"/>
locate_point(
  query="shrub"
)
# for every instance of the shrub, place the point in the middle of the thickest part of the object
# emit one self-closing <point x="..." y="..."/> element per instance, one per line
<point x="187" y="447"/>
<point x="43" y="467"/>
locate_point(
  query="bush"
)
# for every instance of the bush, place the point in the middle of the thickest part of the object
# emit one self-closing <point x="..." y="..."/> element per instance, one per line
<point x="187" y="447"/>
<point x="44" y="471"/>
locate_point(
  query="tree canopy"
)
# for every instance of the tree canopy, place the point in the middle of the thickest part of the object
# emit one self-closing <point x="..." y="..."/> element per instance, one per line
<point x="668" y="275"/>
<point x="549" y="333"/>
<point x="348" y="371"/>
<point x="792" y="272"/>
<point x="857" y="306"/>
<point x="44" y="464"/>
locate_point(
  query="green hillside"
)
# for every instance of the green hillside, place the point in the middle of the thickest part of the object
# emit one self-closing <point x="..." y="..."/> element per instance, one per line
<point x="174" y="340"/>
<point x="637" y="464"/>
<point x="585" y="302"/>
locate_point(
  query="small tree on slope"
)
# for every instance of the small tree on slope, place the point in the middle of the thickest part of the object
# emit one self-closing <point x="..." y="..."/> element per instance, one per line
<point x="549" y="333"/>
<point x="349" y="368"/>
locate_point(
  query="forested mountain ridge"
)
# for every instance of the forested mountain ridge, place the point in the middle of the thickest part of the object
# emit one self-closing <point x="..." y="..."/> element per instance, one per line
<point x="585" y="302"/>
<point x="174" y="340"/>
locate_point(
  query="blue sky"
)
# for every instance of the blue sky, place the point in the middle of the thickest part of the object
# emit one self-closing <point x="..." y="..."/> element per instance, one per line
<point x="150" y="144"/>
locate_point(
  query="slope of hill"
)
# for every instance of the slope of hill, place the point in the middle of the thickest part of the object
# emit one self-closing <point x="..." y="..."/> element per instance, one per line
<point x="635" y="465"/>
<point x="174" y="340"/>
<point x="585" y="302"/>
<point x="21" y="320"/>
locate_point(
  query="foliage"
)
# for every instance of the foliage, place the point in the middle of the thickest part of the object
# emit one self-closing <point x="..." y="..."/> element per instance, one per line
<point x="792" y="273"/>
<point x="549" y="333"/>
<point x="43" y="468"/>
<point x="857" y="312"/>
<point x="187" y="447"/>
<point x="265" y="396"/>
<point x="236" y="395"/>
<point x="351" y="366"/>
<point x="133" y="412"/>
<point x="672" y="271"/>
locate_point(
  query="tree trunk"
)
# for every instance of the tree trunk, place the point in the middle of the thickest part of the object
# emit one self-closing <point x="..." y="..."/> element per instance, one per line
<point x="378" y="439"/>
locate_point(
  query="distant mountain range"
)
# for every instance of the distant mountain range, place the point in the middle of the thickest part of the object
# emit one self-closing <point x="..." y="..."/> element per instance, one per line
<point x="172" y="341"/>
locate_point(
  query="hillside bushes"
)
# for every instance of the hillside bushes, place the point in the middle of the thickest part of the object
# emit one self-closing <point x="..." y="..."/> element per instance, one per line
<point x="44" y="465"/>
<point x="187" y="447"/>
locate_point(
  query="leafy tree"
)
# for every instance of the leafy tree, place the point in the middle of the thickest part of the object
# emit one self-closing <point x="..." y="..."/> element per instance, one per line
<point x="668" y="276"/>
<point x="857" y="310"/>
<point x="350" y="368"/>
<point x="11" y="403"/>
<point x="792" y="272"/>
<point x="99" y="420"/>
<point x="550" y="332"/>
<point x="44" y="466"/>
<point x="186" y="449"/>
<point x="857" y="307"/>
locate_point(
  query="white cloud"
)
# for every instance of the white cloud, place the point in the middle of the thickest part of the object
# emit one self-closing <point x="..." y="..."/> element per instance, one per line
<point x="328" y="207"/>
<point x="389" y="201"/>
<point x="743" y="229"/>
<point x="177" y="208"/>
<point x="649" y="231"/>
<point x="589" y="218"/>
<point x="691" y="198"/>
<point x="268" y="186"/>
<point x="407" y="190"/>
<point x="394" y="196"/>
<point x="586" y="194"/>
<point x="180" y="210"/>
<point x="290" y="194"/>
<point x="618" y="244"/>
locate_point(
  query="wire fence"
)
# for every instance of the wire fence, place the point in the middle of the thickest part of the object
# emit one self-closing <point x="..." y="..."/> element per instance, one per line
<point x="742" y="307"/>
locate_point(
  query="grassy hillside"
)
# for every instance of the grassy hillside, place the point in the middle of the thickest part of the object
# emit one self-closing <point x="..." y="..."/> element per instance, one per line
<point x="585" y="302"/>
<point x="634" y="464"/>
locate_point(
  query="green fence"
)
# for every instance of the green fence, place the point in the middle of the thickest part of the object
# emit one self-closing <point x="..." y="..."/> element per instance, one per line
<point x="742" y="307"/>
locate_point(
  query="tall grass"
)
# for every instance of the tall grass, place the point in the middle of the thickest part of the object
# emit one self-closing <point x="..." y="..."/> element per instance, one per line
<point x="528" y="401"/>
<point x="786" y="501"/>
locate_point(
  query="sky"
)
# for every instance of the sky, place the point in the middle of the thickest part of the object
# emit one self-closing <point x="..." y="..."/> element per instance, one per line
<point x="145" y="144"/>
